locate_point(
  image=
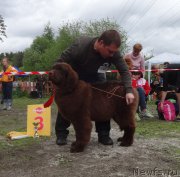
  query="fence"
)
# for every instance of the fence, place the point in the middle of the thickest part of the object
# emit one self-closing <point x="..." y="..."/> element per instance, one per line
<point x="28" y="86"/>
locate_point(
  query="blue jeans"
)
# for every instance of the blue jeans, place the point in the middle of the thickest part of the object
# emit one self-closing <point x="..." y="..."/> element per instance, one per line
<point x="7" y="88"/>
<point x="142" y="98"/>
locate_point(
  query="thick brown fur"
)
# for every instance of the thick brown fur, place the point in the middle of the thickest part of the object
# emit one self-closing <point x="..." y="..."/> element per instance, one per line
<point x="79" y="103"/>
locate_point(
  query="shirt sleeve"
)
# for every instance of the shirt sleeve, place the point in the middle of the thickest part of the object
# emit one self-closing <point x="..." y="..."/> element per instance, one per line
<point x="71" y="53"/>
<point x="121" y="66"/>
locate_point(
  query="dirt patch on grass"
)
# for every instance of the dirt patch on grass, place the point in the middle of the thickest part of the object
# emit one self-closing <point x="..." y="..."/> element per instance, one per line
<point x="50" y="160"/>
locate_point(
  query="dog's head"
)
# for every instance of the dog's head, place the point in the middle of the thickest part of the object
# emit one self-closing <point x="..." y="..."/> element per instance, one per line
<point x="62" y="75"/>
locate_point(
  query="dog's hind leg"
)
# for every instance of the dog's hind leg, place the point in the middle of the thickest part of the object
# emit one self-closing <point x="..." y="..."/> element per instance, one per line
<point x="126" y="122"/>
<point x="128" y="137"/>
<point x="83" y="129"/>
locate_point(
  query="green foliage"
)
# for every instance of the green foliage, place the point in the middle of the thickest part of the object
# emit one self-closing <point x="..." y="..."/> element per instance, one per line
<point x="32" y="59"/>
<point x="48" y="32"/>
<point x="96" y="28"/>
<point x="34" y="56"/>
<point x="17" y="59"/>
<point x="2" y="28"/>
<point x="18" y="93"/>
<point x="47" y="48"/>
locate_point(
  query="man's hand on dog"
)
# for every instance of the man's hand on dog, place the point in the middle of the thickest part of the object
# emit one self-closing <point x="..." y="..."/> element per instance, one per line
<point x="129" y="98"/>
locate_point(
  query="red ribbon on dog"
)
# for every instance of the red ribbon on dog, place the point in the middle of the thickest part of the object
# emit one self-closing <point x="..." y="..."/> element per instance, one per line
<point x="50" y="101"/>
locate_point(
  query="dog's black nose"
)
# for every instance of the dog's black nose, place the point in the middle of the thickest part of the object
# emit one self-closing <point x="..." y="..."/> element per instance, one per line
<point x="51" y="73"/>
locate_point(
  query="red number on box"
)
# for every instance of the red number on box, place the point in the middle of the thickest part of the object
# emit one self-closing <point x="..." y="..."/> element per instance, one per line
<point x="41" y="125"/>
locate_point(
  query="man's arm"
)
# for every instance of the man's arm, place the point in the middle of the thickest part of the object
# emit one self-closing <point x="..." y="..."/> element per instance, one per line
<point x="126" y="77"/>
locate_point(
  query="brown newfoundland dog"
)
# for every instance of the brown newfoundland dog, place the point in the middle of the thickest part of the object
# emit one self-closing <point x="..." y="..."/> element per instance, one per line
<point x="81" y="103"/>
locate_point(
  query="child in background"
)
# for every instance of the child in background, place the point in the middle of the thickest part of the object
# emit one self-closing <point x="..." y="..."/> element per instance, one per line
<point x="143" y="89"/>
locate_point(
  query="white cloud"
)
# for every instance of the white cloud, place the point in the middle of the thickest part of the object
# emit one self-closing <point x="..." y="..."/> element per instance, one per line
<point x="154" y="23"/>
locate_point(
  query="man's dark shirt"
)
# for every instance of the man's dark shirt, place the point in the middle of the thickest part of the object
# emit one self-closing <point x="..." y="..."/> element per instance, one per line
<point x="85" y="60"/>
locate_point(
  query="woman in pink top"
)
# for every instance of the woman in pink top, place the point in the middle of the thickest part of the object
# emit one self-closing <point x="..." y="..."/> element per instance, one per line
<point x="136" y="57"/>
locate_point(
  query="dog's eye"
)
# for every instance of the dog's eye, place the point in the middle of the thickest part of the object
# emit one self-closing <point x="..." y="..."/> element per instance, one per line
<point x="63" y="71"/>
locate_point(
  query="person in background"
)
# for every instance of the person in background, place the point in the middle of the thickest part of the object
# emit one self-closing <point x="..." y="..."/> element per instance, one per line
<point x="129" y="65"/>
<point x="171" y="81"/>
<point x="156" y="81"/>
<point x="128" y="62"/>
<point x="136" y="57"/>
<point x="7" y="83"/>
<point x="40" y="82"/>
<point x="143" y="89"/>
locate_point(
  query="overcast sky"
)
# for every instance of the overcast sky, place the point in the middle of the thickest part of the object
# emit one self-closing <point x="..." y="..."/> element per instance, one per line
<point x="154" y="23"/>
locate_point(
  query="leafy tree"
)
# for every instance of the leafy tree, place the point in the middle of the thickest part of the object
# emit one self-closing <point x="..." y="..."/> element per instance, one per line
<point x="40" y="44"/>
<point x="17" y="59"/>
<point x="33" y="55"/>
<point x="31" y="59"/>
<point x="2" y="28"/>
<point x="9" y="55"/>
<point x="48" y="32"/>
<point x="47" y="48"/>
<point x="1" y="56"/>
<point x="96" y="28"/>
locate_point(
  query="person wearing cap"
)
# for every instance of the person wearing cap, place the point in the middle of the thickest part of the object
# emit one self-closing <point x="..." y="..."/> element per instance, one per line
<point x="136" y="57"/>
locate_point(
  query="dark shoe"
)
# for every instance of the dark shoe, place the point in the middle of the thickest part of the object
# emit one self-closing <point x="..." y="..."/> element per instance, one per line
<point x="105" y="140"/>
<point x="61" y="141"/>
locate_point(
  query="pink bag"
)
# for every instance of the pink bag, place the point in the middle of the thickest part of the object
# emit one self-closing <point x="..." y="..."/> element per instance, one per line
<point x="168" y="110"/>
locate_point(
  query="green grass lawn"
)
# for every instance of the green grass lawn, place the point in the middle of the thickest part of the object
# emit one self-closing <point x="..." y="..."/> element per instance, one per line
<point x="157" y="128"/>
<point x="21" y="103"/>
<point x="15" y="120"/>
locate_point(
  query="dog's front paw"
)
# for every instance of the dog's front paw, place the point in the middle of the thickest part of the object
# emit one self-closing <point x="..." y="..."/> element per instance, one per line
<point x="73" y="144"/>
<point x="75" y="147"/>
<point x="126" y="143"/>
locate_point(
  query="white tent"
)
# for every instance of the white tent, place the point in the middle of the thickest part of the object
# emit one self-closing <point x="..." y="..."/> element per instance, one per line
<point x="164" y="57"/>
<point x="160" y="59"/>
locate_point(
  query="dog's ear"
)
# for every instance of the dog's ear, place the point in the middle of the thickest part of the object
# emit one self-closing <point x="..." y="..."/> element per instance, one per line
<point x="71" y="79"/>
<point x="57" y="66"/>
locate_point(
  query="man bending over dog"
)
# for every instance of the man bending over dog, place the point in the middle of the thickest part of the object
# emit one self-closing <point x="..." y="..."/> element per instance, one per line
<point x="85" y="56"/>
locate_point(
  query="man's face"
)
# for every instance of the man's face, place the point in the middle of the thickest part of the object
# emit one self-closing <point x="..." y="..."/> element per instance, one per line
<point x="4" y="62"/>
<point x="136" y="52"/>
<point x="107" y="51"/>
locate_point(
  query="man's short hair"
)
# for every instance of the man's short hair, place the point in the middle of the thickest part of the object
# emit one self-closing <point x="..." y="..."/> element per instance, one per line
<point x="110" y="37"/>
